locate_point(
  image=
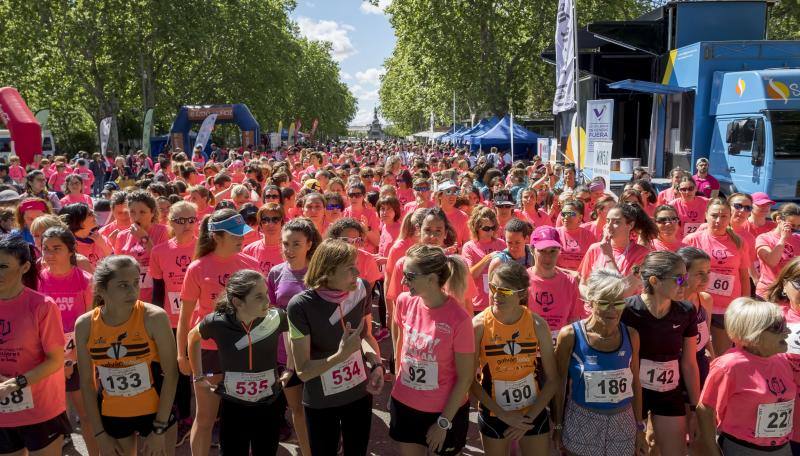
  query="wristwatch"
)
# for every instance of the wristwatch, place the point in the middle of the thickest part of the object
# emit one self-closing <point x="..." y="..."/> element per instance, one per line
<point x="640" y="426"/>
<point x="444" y="423"/>
<point x="159" y="427"/>
<point x="22" y="382"/>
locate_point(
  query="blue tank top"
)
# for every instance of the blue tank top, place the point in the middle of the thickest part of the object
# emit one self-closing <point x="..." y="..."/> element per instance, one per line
<point x="600" y="380"/>
<point x="526" y="261"/>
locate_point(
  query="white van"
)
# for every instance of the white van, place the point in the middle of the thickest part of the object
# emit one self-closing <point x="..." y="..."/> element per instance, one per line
<point x="7" y="145"/>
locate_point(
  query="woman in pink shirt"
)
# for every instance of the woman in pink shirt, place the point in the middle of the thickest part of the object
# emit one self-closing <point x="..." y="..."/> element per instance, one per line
<point x="408" y="236"/>
<point x="218" y="255"/>
<point x="479" y="252"/>
<point x="73" y="189"/>
<point x="741" y="207"/>
<point x="777" y="247"/>
<point x="445" y="198"/>
<point x="15" y="171"/>
<point x="201" y="198"/>
<point x="575" y="241"/>
<point x="689" y="206"/>
<point x="389" y="213"/>
<point x="435" y="363"/>
<point x="749" y="395"/>
<point x="89" y="242"/>
<point x="759" y="220"/>
<point x="599" y="215"/>
<point x="730" y="277"/>
<point x="422" y="196"/>
<point x="616" y="251"/>
<point x="404" y="192"/>
<point x="365" y="214"/>
<point x="71" y="289"/>
<point x="56" y="180"/>
<point x="669" y="225"/>
<point x="314" y="209"/>
<point x="530" y="209"/>
<point x="121" y="217"/>
<point x="671" y="192"/>
<point x="138" y="240"/>
<point x="32" y="399"/>
<point x="267" y="250"/>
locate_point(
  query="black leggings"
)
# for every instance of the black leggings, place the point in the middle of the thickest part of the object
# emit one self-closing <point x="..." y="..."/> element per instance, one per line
<point x="350" y="421"/>
<point x="250" y="427"/>
<point x="378" y="291"/>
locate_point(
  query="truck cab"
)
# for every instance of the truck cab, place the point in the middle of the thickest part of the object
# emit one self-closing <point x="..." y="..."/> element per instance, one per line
<point x="755" y="143"/>
<point x="7" y="145"/>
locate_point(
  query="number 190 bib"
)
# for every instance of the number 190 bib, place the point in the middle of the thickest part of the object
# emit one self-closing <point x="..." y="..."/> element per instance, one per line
<point x="515" y="395"/>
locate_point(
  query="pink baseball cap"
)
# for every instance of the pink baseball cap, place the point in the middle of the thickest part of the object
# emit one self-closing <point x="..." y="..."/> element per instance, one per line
<point x="544" y="237"/>
<point x="761" y="198"/>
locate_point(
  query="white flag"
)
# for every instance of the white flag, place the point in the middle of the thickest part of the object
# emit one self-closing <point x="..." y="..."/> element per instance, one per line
<point x="205" y="131"/>
<point x="564" y="99"/>
<point x="105" y="131"/>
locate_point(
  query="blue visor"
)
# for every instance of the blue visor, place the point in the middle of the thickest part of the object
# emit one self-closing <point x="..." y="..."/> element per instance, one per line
<point x="232" y="225"/>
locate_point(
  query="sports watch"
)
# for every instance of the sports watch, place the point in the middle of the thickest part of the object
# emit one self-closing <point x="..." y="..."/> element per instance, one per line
<point x="22" y="381"/>
<point x="444" y="423"/>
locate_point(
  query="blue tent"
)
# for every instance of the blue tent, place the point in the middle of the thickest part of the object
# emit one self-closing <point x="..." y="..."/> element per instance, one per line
<point x="450" y="135"/>
<point x="500" y="136"/>
<point x="482" y="127"/>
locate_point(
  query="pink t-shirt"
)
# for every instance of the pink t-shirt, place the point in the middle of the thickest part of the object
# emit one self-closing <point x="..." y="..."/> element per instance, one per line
<point x="91" y="250"/>
<point x="73" y="199"/>
<point x="793" y="354"/>
<point x="474" y="252"/>
<point x="367" y="267"/>
<point x="741" y="384"/>
<point x="595" y="228"/>
<point x="658" y="245"/>
<point x="405" y="195"/>
<point x="460" y="222"/>
<point x="56" y="181"/>
<point x="665" y="196"/>
<point x="388" y="235"/>
<point x="758" y="230"/>
<point x="31" y="327"/>
<point x="431" y="338"/>
<point x="556" y="299"/>
<point x="727" y="261"/>
<point x="397" y="251"/>
<point x="110" y="227"/>
<point x="17" y="173"/>
<point x="626" y="259"/>
<point x="206" y="278"/>
<point x="539" y="218"/>
<point x="369" y="218"/>
<point x="128" y="244"/>
<point x="396" y="286"/>
<point x="169" y="262"/>
<point x="574" y="245"/>
<point x="88" y="178"/>
<point x="768" y="274"/>
<point x="692" y="213"/>
<point x="72" y="293"/>
<point x="266" y="255"/>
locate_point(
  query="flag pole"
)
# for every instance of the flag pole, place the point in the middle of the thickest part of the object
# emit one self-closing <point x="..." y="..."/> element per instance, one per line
<point x="577" y="87"/>
<point x="454" y="114"/>
<point x="511" y="130"/>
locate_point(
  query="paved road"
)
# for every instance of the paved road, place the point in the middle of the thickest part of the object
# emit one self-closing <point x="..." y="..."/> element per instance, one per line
<point x="380" y="443"/>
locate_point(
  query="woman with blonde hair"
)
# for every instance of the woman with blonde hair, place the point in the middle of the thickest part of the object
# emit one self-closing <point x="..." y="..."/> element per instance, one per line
<point x="479" y="251"/>
<point x="328" y="323"/>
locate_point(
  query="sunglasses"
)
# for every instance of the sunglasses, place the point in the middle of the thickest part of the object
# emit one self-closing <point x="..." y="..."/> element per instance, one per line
<point x="778" y="327"/>
<point x="665" y="220"/>
<point x="422" y="189"/>
<point x="333" y="207"/>
<point x="686" y="189"/>
<point x="742" y="207"/>
<point x="568" y="214"/>
<point x="276" y="219"/>
<point x="679" y="279"/>
<point x="488" y="228"/>
<point x="450" y="191"/>
<point x="411" y="276"/>
<point x="368" y="176"/>
<point x="604" y="305"/>
<point x="503" y="290"/>
<point x="354" y="241"/>
<point x="796" y="284"/>
<point x="355" y="195"/>
<point x="272" y="196"/>
<point x="184" y="220"/>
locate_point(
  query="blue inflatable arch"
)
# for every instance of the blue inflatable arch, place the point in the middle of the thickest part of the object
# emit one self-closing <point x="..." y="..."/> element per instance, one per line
<point x="228" y="113"/>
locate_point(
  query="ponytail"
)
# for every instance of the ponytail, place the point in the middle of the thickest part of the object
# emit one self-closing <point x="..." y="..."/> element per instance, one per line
<point x="456" y="284"/>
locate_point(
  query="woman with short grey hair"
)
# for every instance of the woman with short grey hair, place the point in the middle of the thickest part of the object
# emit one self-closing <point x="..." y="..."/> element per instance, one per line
<point x="751" y="376"/>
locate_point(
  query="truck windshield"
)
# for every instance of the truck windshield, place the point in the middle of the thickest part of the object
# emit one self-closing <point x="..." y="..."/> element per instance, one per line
<point x="785" y="133"/>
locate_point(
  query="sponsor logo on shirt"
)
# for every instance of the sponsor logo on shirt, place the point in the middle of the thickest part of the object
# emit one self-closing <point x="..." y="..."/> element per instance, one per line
<point x="183" y="262"/>
<point x="776" y="386"/>
<point x="720" y="254"/>
<point x="545" y="299"/>
<point x="65" y="302"/>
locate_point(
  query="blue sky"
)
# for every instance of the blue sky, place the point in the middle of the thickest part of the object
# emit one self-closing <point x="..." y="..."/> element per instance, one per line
<point x="362" y="39"/>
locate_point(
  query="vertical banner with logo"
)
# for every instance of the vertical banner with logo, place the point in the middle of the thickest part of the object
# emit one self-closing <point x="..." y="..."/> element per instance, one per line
<point x="601" y="164"/>
<point x="205" y="131"/>
<point x="105" y="132"/>
<point x="42" y="116"/>
<point x="291" y="134"/>
<point x="147" y="131"/>
<point x="564" y="99"/>
<point x="599" y="125"/>
<point x="543" y="149"/>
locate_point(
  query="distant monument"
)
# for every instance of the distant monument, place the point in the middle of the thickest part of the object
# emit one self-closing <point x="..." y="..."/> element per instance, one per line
<point x="375" y="131"/>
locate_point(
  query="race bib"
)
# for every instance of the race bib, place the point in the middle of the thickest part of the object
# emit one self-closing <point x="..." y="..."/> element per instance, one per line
<point x="794" y="339"/>
<point x="174" y="298"/>
<point x="515" y="395"/>
<point x="703" y="336"/>
<point x="420" y="375"/>
<point x="720" y="284"/>
<point x="657" y="376"/>
<point x="690" y="227"/>
<point x="345" y="375"/>
<point x="17" y="401"/>
<point x="69" y="346"/>
<point x="125" y="381"/>
<point x="608" y="386"/>
<point x="485" y="283"/>
<point x="145" y="280"/>
<point x="249" y="386"/>
<point x="775" y="420"/>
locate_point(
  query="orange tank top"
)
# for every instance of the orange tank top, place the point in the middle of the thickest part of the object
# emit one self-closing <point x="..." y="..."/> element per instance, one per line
<point x="123" y="357"/>
<point x="508" y="360"/>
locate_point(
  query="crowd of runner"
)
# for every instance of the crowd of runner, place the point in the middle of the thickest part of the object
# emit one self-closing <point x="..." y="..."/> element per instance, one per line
<point x="250" y="290"/>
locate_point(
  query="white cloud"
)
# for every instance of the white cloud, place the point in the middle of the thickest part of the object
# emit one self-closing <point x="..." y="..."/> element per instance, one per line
<point x="364" y="94"/>
<point x="369" y="8"/>
<point x="346" y="76"/>
<point x="331" y="31"/>
<point x="370" y="76"/>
